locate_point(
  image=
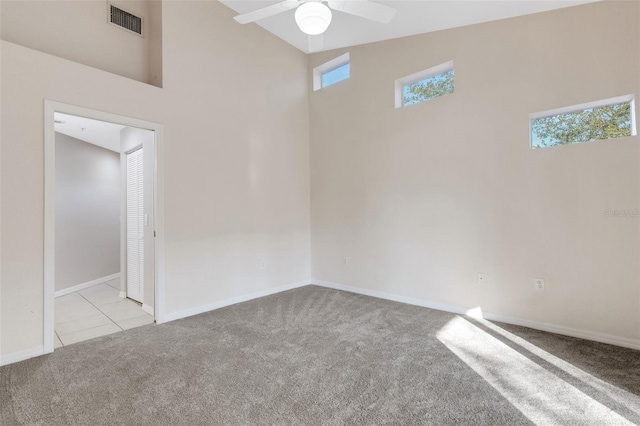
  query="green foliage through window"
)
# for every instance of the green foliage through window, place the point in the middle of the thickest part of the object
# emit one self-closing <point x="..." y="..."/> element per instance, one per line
<point x="605" y="122"/>
<point x="429" y="88"/>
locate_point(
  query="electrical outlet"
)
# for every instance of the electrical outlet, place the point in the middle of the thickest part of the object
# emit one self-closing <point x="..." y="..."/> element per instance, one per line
<point x="482" y="278"/>
<point x="263" y="265"/>
<point x="539" y="284"/>
<point x="345" y="261"/>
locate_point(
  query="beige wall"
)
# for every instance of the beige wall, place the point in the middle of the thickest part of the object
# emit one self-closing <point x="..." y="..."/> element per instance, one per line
<point x="154" y="26"/>
<point x="87" y="212"/>
<point x="420" y="199"/>
<point x="235" y="117"/>
<point x="423" y="198"/>
<point x="80" y="31"/>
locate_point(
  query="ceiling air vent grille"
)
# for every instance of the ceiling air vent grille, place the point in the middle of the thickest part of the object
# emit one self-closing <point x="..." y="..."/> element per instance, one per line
<point x="125" y="20"/>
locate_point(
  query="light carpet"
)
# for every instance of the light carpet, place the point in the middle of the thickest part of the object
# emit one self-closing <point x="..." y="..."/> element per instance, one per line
<point x="315" y="356"/>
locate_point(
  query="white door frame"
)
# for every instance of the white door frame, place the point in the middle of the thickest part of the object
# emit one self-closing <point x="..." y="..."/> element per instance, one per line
<point x="51" y="107"/>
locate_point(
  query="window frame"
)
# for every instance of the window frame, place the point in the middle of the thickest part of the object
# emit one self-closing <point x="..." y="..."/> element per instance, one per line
<point x="582" y="107"/>
<point x="408" y="80"/>
<point x="333" y="64"/>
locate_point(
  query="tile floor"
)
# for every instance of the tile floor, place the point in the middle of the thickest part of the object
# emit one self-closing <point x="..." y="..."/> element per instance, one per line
<point x="94" y="312"/>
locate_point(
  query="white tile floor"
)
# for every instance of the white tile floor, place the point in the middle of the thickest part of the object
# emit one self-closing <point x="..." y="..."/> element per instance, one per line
<point x="95" y="312"/>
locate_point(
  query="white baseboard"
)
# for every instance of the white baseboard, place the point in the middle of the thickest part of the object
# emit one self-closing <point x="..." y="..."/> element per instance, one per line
<point x="551" y="328"/>
<point x="566" y="331"/>
<point x="394" y="297"/>
<point x="217" y="305"/>
<point x="21" y="355"/>
<point x="85" y="285"/>
<point x="148" y="309"/>
<point x="123" y="295"/>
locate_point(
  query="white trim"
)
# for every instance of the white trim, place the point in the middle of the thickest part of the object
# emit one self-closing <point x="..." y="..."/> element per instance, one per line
<point x="567" y="331"/>
<point x="21" y="355"/>
<point x="49" y="226"/>
<point x="418" y="76"/>
<point x="582" y="107"/>
<point x="123" y="222"/>
<point x="326" y="67"/>
<point x="634" y="129"/>
<point x="228" y="302"/>
<point x="550" y="328"/>
<point x="473" y="312"/>
<point x="50" y="107"/>
<point x="148" y="309"/>
<point x="393" y="297"/>
<point x="88" y="284"/>
<point x="158" y="212"/>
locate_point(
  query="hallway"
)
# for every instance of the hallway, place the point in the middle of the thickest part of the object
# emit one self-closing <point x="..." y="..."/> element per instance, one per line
<point x="95" y="312"/>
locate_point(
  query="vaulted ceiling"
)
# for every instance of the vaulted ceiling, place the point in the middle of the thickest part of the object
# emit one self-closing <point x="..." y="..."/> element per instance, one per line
<point x="412" y="17"/>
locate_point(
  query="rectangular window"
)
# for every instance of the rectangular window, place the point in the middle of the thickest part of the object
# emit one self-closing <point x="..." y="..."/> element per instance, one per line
<point x="429" y="88"/>
<point x="594" y="121"/>
<point x="332" y="72"/>
<point x="425" y="85"/>
<point x="336" y="75"/>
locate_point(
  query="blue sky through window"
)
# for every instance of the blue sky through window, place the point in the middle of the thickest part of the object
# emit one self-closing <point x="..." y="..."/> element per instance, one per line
<point x="336" y="75"/>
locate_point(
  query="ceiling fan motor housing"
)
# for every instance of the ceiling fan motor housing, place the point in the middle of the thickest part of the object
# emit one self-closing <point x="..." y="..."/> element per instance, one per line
<point x="313" y="18"/>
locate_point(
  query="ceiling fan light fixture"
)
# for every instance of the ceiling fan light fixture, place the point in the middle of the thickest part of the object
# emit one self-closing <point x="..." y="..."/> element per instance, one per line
<point x="313" y="18"/>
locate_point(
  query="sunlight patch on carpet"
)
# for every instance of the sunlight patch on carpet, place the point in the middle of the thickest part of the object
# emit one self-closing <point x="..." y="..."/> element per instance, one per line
<point x="540" y="395"/>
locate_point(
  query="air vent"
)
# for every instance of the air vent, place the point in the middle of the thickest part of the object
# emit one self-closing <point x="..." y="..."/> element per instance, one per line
<point x="125" y="20"/>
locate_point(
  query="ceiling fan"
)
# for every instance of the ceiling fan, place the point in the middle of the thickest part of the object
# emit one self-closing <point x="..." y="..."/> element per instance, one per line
<point x="314" y="16"/>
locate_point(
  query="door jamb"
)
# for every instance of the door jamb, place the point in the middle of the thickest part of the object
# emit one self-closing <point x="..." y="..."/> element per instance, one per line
<point x="51" y="107"/>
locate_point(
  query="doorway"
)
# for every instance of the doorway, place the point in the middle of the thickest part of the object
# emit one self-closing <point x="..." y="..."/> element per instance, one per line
<point x="140" y="278"/>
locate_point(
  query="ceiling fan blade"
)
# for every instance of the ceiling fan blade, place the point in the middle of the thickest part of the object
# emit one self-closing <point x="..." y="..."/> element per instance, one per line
<point x="364" y="9"/>
<point x="265" y="12"/>
<point x="316" y="43"/>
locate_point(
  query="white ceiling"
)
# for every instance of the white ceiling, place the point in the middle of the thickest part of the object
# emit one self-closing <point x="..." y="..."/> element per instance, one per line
<point x="101" y="133"/>
<point x="412" y="17"/>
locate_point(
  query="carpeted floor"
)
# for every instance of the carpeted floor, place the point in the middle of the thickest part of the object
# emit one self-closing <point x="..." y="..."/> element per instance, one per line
<point x="315" y="356"/>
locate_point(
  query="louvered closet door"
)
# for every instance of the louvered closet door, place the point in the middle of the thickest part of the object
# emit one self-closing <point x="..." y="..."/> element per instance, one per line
<point x="135" y="226"/>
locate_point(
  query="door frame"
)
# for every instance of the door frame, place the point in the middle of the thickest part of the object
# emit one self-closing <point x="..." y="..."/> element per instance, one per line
<point x="51" y="107"/>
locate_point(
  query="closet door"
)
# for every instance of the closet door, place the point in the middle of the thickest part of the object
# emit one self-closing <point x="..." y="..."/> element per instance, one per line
<point x="135" y="225"/>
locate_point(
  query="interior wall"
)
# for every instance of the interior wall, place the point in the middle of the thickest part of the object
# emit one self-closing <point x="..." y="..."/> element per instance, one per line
<point x="130" y="139"/>
<point x="80" y="31"/>
<point x="154" y="25"/>
<point x="88" y="191"/>
<point x="236" y="149"/>
<point x="1" y="349"/>
<point x="421" y="199"/>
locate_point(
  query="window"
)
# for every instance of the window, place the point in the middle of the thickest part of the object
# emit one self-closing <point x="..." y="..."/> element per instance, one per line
<point x="429" y="88"/>
<point x="425" y="85"/>
<point x="332" y="72"/>
<point x="600" y="120"/>
<point x="336" y="75"/>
